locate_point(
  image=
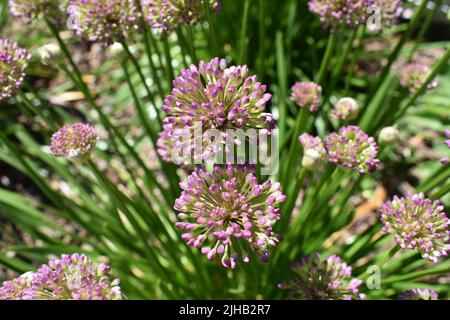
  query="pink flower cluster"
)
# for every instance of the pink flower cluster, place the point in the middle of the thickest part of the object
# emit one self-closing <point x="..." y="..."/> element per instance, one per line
<point x="167" y="15"/>
<point x="13" y="62"/>
<point x="418" y="223"/>
<point x="212" y="96"/>
<point x="318" y="278"/>
<point x="71" y="277"/>
<point x="227" y="212"/>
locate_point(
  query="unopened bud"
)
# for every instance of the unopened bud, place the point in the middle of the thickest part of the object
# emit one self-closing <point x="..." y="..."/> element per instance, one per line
<point x="388" y="135"/>
<point x="50" y="54"/>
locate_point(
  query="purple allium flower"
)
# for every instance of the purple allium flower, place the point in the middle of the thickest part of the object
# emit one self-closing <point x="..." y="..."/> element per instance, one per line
<point x="417" y="223"/>
<point x="104" y="21"/>
<point x="168" y="15"/>
<point x="74" y="141"/>
<point x="412" y="76"/>
<point x="389" y="10"/>
<point x="212" y="96"/>
<point x="314" y="153"/>
<point x="307" y="95"/>
<point x="419" y="294"/>
<point x="345" y="109"/>
<point x="352" y="148"/>
<point x="71" y="277"/>
<point x="13" y="63"/>
<point x="30" y="9"/>
<point x="334" y="13"/>
<point x="322" y="279"/>
<point x="226" y="212"/>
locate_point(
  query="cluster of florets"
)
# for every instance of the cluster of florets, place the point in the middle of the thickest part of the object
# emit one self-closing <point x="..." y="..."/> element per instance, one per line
<point x="335" y="13"/>
<point x="352" y="148"/>
<point x="71" y="277"/>
<point x="345" y="109"/>
<point x="385" y="12"/>
<point x="314" y="153"/>
<point x="168" y="15"/>
<point x="417" y="223"/>
<point x="31" y="9"/>
<point x="323" y="279"/>
<point x="104" y="21"/>
<point x="307" y="95"/>
<point x="74" y="141"/>
<point x="419" y="294"/>
<point x="227" y="212"/>
<point x="13" y="62"/>
<point x="413" y="75"/>
<point x="206" y="104"/>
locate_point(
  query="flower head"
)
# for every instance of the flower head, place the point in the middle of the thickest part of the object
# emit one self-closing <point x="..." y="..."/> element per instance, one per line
<point x="30" y="9"/>
<point x="345" y="109"/>
<point x="74" y="141"/>
<point x="419" y="294"/>
<point x="334" y="13"/>
<point x="322" y="279"/>
<point x="412" y="76"/>
<point x="212" y="98"/>
<point x="314" y="153"/>
<point x="104" y="21"/>
<point x="50" y="54"/>
<point x="307" y="95"/>
<point x="13" y="62"/>
<point x="352" y="148"/>
<point x="71" y="277"/>
<point x="388" y="135"/>
<point x="168" y="15"/>
<point x="226" y="212"/>
<point x="389" y="11"/>
<point x="417" y="223"/>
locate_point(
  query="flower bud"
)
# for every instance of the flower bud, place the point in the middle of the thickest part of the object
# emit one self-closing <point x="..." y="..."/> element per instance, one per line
<point x="50" y="54"/>
<point x="388" y="135"/>
<point x="345" y="109"/>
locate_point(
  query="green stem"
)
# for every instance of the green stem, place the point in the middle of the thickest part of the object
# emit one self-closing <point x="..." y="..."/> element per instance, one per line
<point x="146" y="123"/>
<point x="168" y="57"/>
<point x="442" y="192"/>
<point x="211" y="27"/>
<point x="243" y="38"/>
<point x="155" y="46"/>
<point x="262" y="40"/>
<point x="148" y="49"/>
<point x="191" y="45"/>
<point x="440" y="176"/>
<point x="143" y="80"/>
<point x="182" y="43"/>
<point x="326" y="59"/>
<point x="300" y="123"/>
<point x="355" y="57"/>
<point x="343" y="58"/>
<point x="424" y="28"/>
<point x="282" y="84"/>
<point x="292" y="198"/>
